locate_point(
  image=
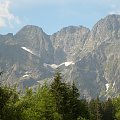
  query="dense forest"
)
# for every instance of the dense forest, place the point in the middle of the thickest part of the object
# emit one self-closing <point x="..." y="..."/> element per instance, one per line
<point x="58" y="101"/>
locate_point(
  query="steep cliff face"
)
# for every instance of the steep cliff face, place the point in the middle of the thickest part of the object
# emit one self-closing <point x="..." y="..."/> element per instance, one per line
<point x="96" y="74"/>
<point x="68" y="41"/>
<point x="90" y="58"/>
<point x="34" y="39"/>
<point x="22" y="55"/>
<point x="101" y="56"/>
<point x="14" y="62"/>
<point x="105" y="30"/>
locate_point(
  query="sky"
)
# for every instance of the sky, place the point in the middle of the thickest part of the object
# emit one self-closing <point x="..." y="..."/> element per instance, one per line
<point x="52" y="15"/>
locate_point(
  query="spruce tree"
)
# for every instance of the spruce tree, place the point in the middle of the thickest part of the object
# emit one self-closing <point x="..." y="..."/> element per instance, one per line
<point x="116" y="104"/>
<point x="109" y="110"/>
<point x="60" y="93"/>
<point x="95" y="109"/>
<point x="8" y="98"/>
<point x="98" y="109"/>
<point x="67" y="98"/>
<point x="39" y="105"/>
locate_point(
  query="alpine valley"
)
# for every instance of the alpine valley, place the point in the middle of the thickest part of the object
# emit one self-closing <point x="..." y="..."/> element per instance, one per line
<point x="90" y="58"/>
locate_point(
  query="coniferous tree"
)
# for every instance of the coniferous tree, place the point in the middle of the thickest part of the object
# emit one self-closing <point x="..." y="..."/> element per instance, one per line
<point x="108" y="110"/>
<point x="116" y="103"/>
<point x="74" y="102"/>
<point x="8" y="98"/>
<point x="79" y="107"/>
<point x="98" y="109"/>
<point x="91" y="107"/>
<point x="38" y="106"/>
<point x="95" y="109"/>
<point x="67" y="99"/>
<point x="60" y="92"/>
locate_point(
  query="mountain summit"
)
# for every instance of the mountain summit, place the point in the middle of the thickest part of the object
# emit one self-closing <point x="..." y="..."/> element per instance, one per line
<point x="90" y="58"/>
<point x="33" y="38"/>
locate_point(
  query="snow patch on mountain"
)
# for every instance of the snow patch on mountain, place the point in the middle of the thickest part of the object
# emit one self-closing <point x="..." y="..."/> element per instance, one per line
<point x="113" y="84"/>
<point x="69" y="63"/>
<point x="25" y="75"/>
<point x="28" y="50"/>
<point x="54" y="66"/>
<point x="107" y="86"/>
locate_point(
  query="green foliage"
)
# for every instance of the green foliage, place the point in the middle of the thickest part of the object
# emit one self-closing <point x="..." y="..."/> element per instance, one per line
<point x="61" y="93"/>
<point x="95" y="109"/>
<point x="108" y="110"/>
<point x="101" y="110"/>
<point x="81" y="118"/>
<point x="8" y="97"/>
<point x="59" y="101"/>
<point x="116" y="103"/>
<point x="39" y="105"/>
<point x="69" y="106"/>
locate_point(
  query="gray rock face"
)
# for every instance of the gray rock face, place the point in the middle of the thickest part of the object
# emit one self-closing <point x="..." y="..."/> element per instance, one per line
<point x="69" y="41"/>
<point x="102" y="46"/>
<point x="33" y="38"/>
<point x="105" y="30"/>
<point x="90" y="58"/>
<point x="6" y="39"/>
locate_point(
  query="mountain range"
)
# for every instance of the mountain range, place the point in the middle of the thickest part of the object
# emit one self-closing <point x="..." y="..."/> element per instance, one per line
<point x="90" y="58"/>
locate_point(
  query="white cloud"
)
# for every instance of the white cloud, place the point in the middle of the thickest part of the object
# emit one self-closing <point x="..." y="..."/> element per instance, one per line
<point x="2" y="23"/>
<point x="115" y="9"/>
<point x="114" y="12"/>
<point x="6" y="17"/>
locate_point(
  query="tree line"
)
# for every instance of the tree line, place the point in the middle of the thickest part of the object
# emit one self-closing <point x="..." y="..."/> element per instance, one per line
<point x="58" y="101"/>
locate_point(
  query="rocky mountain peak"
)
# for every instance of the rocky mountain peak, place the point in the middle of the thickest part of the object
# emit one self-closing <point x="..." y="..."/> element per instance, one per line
<point x="30" y="36"/>
<point x="105" y="30"/>
<point x="90" y="58"/>
<point x="68" y="41"/>
<point x="31" y="28"/>
<point x="6" y="39"/>
<point x="72" y="29"/>
<point x="33" y="38"/>
<point x="107" y="27"/>
<point x="112" y="16"/>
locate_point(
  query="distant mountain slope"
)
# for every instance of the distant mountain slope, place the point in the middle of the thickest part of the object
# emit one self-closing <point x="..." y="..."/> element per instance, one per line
<point x="91" y="58"/>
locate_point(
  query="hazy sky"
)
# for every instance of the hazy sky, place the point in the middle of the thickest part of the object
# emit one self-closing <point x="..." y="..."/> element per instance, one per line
<point x="52" y="15"/>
